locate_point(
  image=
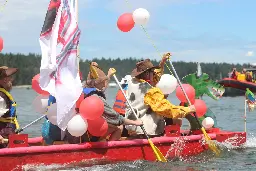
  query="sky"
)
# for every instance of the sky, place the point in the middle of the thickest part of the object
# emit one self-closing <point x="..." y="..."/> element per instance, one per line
<point x="192" y="30"/>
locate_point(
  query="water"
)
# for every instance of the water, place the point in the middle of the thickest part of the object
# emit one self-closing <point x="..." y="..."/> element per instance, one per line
<point x="230" y="115"/>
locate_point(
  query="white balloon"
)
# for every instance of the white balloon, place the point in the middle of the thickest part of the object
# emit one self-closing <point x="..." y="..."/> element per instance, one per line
<point x="141" y="16"/>
<point x="40" y="103"/>
<point x="208" y="122"/>
<point x="77" y="126"/>
<point x="167" y="84"/>
<point x="52" y="113"/>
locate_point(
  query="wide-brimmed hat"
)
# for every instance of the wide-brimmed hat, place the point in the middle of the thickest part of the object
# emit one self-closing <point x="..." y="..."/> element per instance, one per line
<point x="143" y="66"/>
<point x="6" y="72"/>
<point x="95" y="77"/>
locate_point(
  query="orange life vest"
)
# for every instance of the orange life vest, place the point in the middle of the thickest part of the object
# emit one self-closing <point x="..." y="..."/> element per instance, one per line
<point x="119" y="105"/>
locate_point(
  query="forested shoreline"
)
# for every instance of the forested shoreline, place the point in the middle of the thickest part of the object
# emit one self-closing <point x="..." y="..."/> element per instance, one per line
<point x="29" y="65"/>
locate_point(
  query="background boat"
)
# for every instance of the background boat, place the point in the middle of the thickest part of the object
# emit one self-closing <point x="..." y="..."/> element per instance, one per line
<point x="112" y="84"/>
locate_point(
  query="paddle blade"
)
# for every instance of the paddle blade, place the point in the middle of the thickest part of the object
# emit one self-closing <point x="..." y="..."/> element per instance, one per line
<point x="211" y="144"/>
<point x="157" y="152"/>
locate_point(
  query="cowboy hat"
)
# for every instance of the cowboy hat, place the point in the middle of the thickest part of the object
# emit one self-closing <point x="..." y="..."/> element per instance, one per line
<point x="6" y="72"/>
<point x="143" y="66"/>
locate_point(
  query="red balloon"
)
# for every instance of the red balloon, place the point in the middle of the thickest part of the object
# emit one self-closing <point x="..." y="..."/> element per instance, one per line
<point x="190" y="91"/>
<point x="125" y="22"/>
<point x="1" y="44"/>
<point x="36" y="87"/>
<point x="201" y="108"/>
<point x="91" y="108"/>
<point x="97" y="127"/>
<point x="79" y="101"/>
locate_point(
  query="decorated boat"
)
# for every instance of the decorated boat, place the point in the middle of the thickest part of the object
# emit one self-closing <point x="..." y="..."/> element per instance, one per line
<point x="240" y="82"/>
<point x="175" y="143"/>
<point x="23" y="151"/>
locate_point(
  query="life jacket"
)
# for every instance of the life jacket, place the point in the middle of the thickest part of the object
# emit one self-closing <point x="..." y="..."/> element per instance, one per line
<point x="10" y="116"/>
<point x="120" y="103"/>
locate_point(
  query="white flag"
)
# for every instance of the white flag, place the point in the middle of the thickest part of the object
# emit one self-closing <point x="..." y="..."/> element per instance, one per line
<point x="59" y="67"/>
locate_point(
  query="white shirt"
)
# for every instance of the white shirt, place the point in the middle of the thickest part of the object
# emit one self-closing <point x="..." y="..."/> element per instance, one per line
<point x="3" y="107"/>
<point x="153" y="123"/>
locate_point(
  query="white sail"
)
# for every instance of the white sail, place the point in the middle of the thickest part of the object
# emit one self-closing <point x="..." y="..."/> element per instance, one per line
<point x="199" y="70"/>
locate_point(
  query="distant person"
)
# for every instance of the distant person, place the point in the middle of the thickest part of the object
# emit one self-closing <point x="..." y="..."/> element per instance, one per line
<point x="234" y="73"/>
<point x="248" y="77"/>
<point x="8" y="117"/>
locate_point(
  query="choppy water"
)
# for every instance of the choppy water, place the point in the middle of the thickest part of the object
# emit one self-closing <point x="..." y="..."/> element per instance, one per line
<point x="230" y="116"/>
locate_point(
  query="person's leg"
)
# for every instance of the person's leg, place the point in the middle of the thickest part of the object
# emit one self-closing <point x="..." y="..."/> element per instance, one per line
<point x="50" y="133"/>
<point x="115" y="132"/>
<point x="177" y="122"/>
<point x="124" y="132"/>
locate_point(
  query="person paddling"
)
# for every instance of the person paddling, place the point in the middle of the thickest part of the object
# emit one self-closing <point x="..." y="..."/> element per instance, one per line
<point x="99" y="80"/>
<point x="8" y="117"/>
<point x="140" y="90"/>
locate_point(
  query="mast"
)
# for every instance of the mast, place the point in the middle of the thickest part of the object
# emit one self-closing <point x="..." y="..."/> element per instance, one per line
<point x="199" y="70"/>
<point x="78" y="51"/>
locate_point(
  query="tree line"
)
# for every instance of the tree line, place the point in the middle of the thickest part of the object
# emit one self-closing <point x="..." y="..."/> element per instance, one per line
<point x="29" y="66"/>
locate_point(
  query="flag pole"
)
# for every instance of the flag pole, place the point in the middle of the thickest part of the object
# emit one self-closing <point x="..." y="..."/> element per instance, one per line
<point x="78" y="51"/>
<point x="245" y="110"/>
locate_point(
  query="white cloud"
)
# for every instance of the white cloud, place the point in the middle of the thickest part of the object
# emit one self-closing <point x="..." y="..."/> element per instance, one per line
<point x="250" y="53"/>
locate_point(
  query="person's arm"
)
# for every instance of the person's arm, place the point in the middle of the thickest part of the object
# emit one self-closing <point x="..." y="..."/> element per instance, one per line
<point x="3" y="107"/>
<point x="155" y="99"/>
<point x="114" y="118"/>
<point x="1" y="140"/>
<point x="111" y="116"/>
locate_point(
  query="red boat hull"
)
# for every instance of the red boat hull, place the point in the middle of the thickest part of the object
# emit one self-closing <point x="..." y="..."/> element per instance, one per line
<point x="242" y="85"/>
<point x="108" y="152"/>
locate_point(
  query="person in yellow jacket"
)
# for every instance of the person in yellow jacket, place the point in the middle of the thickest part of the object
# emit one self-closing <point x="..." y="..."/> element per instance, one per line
<point x="8" y="117"/>
<point x="140" y="91"/>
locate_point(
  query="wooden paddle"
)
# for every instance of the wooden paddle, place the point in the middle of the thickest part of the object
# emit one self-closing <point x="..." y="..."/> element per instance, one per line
<point x="158" y="154"/>
<point x="31" y="123"/>
<point x="210" y="143"/>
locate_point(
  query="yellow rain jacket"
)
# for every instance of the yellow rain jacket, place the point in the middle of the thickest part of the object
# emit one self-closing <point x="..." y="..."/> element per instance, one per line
<point x="155" y="99"/>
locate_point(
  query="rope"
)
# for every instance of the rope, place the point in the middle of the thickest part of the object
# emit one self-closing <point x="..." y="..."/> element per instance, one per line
<point x="150" y="39"/>
<point x="2" y="7"/>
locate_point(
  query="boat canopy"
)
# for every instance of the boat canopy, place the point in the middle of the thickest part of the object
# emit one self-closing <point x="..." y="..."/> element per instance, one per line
<point x="251" y="69"/>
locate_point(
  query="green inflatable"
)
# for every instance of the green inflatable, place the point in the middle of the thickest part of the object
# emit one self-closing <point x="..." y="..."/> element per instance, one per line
<point x="203" y="86"/>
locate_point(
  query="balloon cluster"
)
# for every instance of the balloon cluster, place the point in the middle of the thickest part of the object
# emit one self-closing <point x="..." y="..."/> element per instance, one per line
<point x="199" y="104"/>
<point x="126" y="21"/>
<point x="91" y="109"/>
<point x="89" y="116"/>
<point x="169" y="84"/>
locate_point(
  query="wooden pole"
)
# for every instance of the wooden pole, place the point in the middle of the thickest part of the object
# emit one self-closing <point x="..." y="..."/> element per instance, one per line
<point x="245" y="109"/>
<point x="78" y="51"/>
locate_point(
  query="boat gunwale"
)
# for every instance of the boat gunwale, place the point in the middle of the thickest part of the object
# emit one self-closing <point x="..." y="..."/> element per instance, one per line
<point x="234" y="80"/>
<point x="98" y="145"/>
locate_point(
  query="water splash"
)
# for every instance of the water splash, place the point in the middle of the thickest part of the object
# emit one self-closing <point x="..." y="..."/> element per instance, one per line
<point x="251" y="141"/>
